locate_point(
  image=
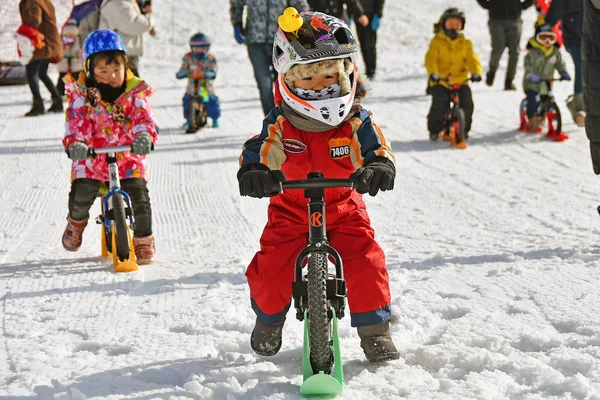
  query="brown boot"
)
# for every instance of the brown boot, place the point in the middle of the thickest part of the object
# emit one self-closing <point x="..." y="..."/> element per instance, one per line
<point x="72" y="237"/>
<point x="376" y="342"/>
<point x="580" y="119"/>
<point x="576" y="106"/>
<point x="534" y="123"/>
<point x="144" y="249"/>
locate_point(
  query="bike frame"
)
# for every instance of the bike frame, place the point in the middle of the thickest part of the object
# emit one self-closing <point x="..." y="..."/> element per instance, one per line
<point x="198" y="85"/>
<point x="547" y="99"/>
<point x="454" y="96"/>
<point x="314" y="189"/>
<point x="114" y="181"/>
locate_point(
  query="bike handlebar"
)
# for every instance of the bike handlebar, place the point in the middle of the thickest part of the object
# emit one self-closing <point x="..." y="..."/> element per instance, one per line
<point x="465" y="81"/>
<point x="115" y="149"/>
<point x="316" y="183"/>
<point x="554" y="79"/>
<point x="104" y="150"/>
<point x="313" y="183"/>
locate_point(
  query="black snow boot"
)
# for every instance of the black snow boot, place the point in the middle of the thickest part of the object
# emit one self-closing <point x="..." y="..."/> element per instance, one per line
<point x="266" y="339"/>
<point x="489" y="78"/>
<point x="36" y="109"/>
<point x="376" y="342"/>
<point x="508" y="85"/>
<point x="57" y="106"/>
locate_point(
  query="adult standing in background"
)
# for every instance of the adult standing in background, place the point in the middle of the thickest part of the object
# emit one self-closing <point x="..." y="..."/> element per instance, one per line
<point x="41" y="17"/>
<point x="505" y="26"/>
<point x="570" y="13"/>
<point x="590" y="61"/>
<point x="336" y="8"/>
<point x="258" y="33"/>
<point x="127" y="19"/>
<point x="367" y="34"/>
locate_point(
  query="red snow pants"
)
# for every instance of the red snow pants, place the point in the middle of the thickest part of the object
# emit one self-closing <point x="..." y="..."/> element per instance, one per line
<point x="271" y="272"/>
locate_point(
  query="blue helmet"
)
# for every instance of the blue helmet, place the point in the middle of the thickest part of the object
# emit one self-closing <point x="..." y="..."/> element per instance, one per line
<point x="200" y="40"/>
<point x="102" y="40"/>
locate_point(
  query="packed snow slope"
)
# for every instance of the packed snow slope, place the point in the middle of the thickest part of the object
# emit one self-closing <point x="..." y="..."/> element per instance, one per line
<point x="492" y="251"/>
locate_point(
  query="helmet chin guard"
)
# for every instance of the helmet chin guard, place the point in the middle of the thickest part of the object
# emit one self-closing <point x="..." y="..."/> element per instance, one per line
<point x="329" y="111"/>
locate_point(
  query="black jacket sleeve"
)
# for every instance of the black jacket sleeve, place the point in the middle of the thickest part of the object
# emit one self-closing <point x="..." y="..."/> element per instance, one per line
<point x="555" y="12"/>
<point x="484" y="3"/>
<point x="379" y="7"/>
<point x="526" y="4"/>
<point x="355" y="9"/>
<point x="590" y="58"/>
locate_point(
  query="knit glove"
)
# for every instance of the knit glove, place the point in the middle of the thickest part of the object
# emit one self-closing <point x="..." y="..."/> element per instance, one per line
<point x="375" y="22"/>
<point x="260" y="182"/>
<point x="237" y="33"/>
<point x="533" y="78"/>
<point x="210" y="74"/>
<point x="78" y="151"/>
<point x="475" y="78"/>
<point x="142" y="144"/>
<point x="435" y="77"/>
<point x="565" y="76"/>
<point x="377" y="175"/>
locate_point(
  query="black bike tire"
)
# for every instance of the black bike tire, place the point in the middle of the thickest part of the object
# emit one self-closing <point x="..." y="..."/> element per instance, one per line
<point x="106" y="231"/>
<point x="523" y="107"/>
<point x="320" y="331"/>
<point x="121" y="235"/>
<point x="203" y="116"/>
<point x="558" y="118"/>
<point x="193" y="113"/>
<point x="460" y="135"/>
<point x="108" y="238"/>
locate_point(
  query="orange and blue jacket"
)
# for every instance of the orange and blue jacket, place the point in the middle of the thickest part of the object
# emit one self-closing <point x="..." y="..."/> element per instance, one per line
<point x="336" y="153"/>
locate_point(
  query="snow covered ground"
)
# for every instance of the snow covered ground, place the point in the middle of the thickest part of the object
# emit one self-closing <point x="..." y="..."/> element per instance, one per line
<point x="491" y="251"/>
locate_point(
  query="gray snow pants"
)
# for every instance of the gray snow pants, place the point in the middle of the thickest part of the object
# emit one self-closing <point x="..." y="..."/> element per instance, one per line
<point x="84" y="192"/>
<point x="505" y="33"/>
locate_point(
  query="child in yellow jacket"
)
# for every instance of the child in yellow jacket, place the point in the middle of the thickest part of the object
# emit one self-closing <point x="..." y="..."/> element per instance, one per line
<point x="449" y="60"/>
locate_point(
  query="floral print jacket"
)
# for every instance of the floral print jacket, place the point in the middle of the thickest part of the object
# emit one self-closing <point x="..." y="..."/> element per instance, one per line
<point x="99" y="124"/>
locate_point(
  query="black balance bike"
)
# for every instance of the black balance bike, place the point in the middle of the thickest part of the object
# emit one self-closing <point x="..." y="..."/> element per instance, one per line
<point x="548" y="111"/>
<point x="455" y="120"/>
<point x="319" y="297"/>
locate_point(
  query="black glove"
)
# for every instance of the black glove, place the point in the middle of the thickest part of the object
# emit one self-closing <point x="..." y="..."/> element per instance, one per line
<point x="435" y="77"/>
<point x="475" y="78"/>
<point x="260" y="181"/>
<point x="377" y="175"/>
<point x="595" y="151"/>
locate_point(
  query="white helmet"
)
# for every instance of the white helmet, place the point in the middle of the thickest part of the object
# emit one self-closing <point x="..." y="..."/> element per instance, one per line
<point x="312" y="37"/>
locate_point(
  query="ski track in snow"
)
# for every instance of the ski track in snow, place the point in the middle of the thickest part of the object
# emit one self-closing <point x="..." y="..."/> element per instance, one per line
<point x="493" y="267"/>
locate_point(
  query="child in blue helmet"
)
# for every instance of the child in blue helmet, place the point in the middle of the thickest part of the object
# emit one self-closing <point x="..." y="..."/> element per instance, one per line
<point x="200" y="64"/>
<point x="108" y="106"/>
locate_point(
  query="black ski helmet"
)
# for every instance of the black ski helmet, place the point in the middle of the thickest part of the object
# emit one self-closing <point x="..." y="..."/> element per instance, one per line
<point x="544" y="28"/>
<point x="453" y="12"/>
<point x="199" y="39"/>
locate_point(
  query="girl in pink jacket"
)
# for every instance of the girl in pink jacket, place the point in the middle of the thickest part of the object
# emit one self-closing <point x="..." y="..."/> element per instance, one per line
<point x="108" y="107"/>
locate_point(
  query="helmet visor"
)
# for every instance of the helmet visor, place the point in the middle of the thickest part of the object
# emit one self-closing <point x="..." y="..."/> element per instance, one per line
<point x="199" y="48"/>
